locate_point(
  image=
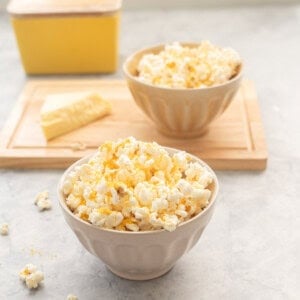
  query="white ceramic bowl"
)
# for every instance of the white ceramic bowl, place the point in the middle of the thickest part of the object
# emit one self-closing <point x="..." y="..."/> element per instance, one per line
<point x="179" y="112"/>
<point x="139" y="255"/>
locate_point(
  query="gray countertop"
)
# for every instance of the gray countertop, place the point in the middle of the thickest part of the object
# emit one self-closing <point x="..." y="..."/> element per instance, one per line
<point x="251" y="248"/>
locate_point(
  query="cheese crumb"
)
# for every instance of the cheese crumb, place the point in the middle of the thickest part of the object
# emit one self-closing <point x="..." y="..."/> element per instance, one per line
<point x="78" y="146"/>
<point x="42" y="201"/>
<point x="31" y="276"/>
<point x="180" y="66"/>
<point x="131" y="185"/>
<point x="72" y="297"/>
<point x="4" y="229"/>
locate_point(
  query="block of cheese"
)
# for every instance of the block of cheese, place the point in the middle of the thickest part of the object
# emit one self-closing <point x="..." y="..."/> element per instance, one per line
<point x="62" y="113"/>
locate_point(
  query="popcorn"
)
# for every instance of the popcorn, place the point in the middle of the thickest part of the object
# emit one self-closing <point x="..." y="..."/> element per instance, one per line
<point x="141" y="213"/>
<point x="144" y="193"/>
<point x="67" y="187"/>
<point x="159" y="204"/>
<point x="156" y="222"/>
<point x="189" y="67"/>
<point x="42" y="201"/>
<point x="130" y="185"/>
<point x="170" y="222"/>
<point x="113" y="219"/>
<point x="184" y="187"/>
<point x="4" y="229"/>
<point x="132" y="227"/>
<point x="73" y="201"/>
<point x="31" y="276"/>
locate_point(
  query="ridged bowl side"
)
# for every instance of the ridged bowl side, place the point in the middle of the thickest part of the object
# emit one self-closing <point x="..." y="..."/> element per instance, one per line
<point x="138" y="255"/>
<point x="176" y="112"/>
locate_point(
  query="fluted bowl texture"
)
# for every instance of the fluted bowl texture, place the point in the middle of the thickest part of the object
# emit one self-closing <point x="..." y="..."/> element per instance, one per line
<point x="179" y="112"/>
<point x="138" y="255"/>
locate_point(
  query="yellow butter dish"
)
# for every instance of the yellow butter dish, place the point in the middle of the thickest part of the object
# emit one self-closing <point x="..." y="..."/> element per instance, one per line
<point x="67" y="36"/>
<point x="62" y="113"/>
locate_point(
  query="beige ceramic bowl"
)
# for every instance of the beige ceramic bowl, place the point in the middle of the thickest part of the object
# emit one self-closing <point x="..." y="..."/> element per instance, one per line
<point x="138" y="255"/>
<point x="178" y="112"/>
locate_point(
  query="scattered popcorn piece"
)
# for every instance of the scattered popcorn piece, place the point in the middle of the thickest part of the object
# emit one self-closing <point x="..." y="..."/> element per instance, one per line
<point x="42" y="201"/>
<point x="31" y="276"/>
<point x="180" y="66"/>
<point x="72" y="297"/>
<point x="4" y="229"/>
<point x="135" y="186"/>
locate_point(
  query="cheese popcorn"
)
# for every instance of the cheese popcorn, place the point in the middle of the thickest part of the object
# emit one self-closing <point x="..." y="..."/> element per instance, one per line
<point x="31" y="276"/>
<point x="42" y="201"/>
<point x="180" y="66"/>
<point x="131" y="185"/>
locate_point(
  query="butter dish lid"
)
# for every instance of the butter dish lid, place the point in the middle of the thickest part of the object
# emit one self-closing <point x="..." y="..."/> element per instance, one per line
<point x="64" y="7"/>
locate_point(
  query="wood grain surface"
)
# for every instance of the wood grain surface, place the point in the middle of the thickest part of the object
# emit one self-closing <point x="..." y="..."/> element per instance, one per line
<point x="235" y="141"/>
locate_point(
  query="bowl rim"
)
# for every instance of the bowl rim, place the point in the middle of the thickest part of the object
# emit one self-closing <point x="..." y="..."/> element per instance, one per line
<point x="237" y="77"/>
<point x="82" y="160"/>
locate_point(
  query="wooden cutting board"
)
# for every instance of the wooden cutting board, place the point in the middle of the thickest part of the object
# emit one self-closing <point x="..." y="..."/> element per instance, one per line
<point x="235" y="141"/>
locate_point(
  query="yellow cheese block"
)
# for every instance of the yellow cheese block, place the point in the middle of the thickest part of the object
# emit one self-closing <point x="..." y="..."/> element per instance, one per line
<point x="62" y="113"/>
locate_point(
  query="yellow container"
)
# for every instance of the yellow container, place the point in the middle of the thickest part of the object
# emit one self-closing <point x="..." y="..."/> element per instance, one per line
<point x="67" y="36"/>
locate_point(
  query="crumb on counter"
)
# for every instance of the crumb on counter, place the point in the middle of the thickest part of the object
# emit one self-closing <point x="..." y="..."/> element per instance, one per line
<point x="180" y="66"/>
<point x="131" y="185"/>
<point x="31" y="276"/>
<point x="4" y="229"/>
<point x="42" y="201"/>
<point x="33" y="251"/>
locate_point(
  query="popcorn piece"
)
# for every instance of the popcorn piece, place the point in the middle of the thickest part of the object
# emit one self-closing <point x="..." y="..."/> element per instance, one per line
<point x="114" y="196"/>
<point x="135" y="186"/>
<point x="132" y="227"/>
<point x="156" y="222"/>
<point x="73" y="202"/>
<point x="31" y="276"/>
<point x="194" y="171"/>
<point x="180" y="160"/>
<point x="189" y="67"/>
<point x="4" y="229"/>
<point x="114" y="219"/>
<point x="141" y="213"/>
<point x="159" y="204"/>
<point x="67" y="187"/>
<point x="184" y="187"/>
<point x="124" y="161"/>
<point x="181" y="211"/>
<point x="174" y="195"/>
<point x="97" y="218"/>
<point x="83" y="212"/>
<point x="42" y="201"/>
<point x="72" y="297"/>
<point x="144" y="193"/>
<point x="170" y="222"/>
<point x="201" y="196"/>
